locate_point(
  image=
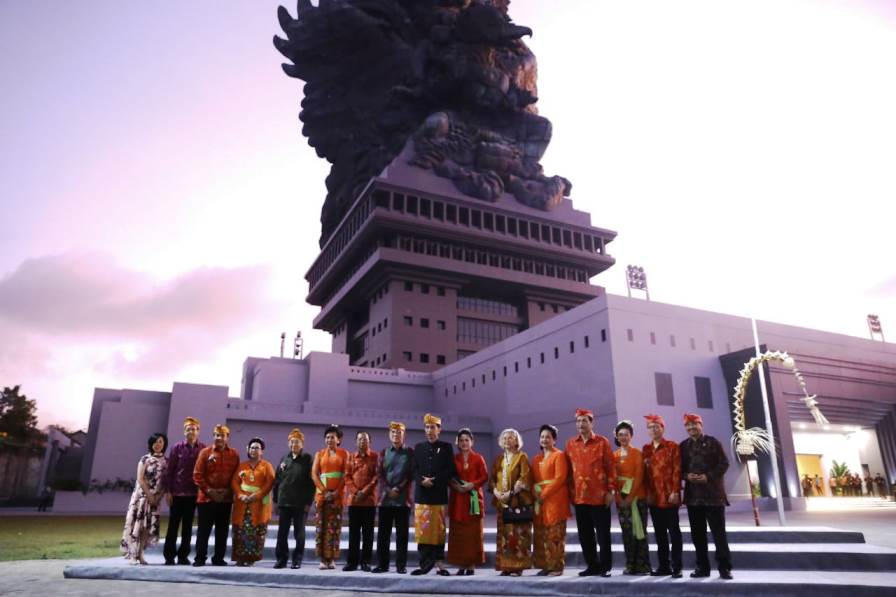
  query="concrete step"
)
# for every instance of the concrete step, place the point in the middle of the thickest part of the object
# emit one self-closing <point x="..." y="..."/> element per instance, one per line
<point x="746" y="556"/>
<point x="487" y="582"/>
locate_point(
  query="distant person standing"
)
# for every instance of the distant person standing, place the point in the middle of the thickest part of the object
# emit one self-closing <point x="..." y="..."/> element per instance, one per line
<point x="662" y="464"/>
<point x="869" y="484"/>
<point x="360" y="485"/>
<point x="807" y="486"/>
<point x="396" y="474"/>
<point x="433" y="471"/>
<point x="182" y="493"/>
<point x="703" y="465"/>
<point x="881" y="485"/>
<point x="141" y="525"/>
<point x="213" y="473"/>
<point x="294" y="494"/>
<point x="593" y="490"/>
<point x="819" y="485"/>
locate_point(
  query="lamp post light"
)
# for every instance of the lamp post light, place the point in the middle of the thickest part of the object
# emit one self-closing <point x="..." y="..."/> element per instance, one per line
<point x="874" y="327"/>
<point x="298" y="346"/>
<point x="637" y="279"/>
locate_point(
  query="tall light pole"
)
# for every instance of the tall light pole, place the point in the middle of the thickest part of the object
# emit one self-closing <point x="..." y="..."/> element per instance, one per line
<point x="637" y="279"/>
<point x="874" y="327"/>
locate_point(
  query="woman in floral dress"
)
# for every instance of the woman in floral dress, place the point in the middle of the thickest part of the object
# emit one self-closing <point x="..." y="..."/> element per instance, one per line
<point x="141" y="524"/>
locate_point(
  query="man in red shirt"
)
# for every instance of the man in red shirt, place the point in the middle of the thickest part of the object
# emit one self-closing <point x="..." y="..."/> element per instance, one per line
<point x="212" y="474"/>
<point x="662" y="476"/>
<point x="360" y="485"/>
<point x="594" y="486"/>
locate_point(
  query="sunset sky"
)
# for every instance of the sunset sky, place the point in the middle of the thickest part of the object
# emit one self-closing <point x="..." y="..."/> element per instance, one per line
<point x="160" y="207"/>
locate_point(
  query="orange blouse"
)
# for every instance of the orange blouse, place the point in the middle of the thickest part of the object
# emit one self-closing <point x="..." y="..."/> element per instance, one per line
<point x="261" y="478"/>
<point x="630" y="466"/>
<point x="554" y="506"/>
<point x="335" y="466"/>
<point x="592" y="470"/>
<point x="662" y="472"/>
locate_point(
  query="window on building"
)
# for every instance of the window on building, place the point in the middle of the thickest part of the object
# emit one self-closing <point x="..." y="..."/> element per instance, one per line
<point x="440" y="359"/>
<point x="587" y="342"/>
<point x="483" y="378"/>
<point x="440" y="290"/>
<point x="572" y="347"/>
<point x="385" y="323"/>
<point x="494" y="375"/>
<point x="704" y="392"/>
<point x="603" y="335"/>
<point x="528" y="362"/>
<point x="542" y="358"/>
<point x="672" y="340"/>
<point x="409" y="286"/>
<point x="630" y="334"/>
<point x="556" y="352"/>
<point x="424" y="357"/>
<point x="505" y="370"/>
<point x="664" y="395"/>
<point x="424" y="288"/>
<point x="408" y="320"/>
<point x="408" y="357"/>
<point x="541" y="306"/>
<point x="424" y="322"/>
<point x="711" y="347"/>
<point x="440" y="324"/>
<point x="652" y="338"/>
<point x="516" y="367"/>
<point x="693" y="344"/>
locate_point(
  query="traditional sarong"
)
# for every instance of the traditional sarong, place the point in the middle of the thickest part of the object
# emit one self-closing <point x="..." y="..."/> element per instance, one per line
<point x="429" y="524"/>
<point x="248" y="540"/>
<point x="637" y="560"/>
<point x="465" y="543"/>
<point x="329" y="528"/>
<point x="549" y="551"/>
<point x="513" y="552"/>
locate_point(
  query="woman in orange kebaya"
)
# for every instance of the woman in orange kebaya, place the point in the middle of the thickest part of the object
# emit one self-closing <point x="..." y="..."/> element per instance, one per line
<point x="631" y="501"/>
<point x="550" y="471"/>
<point x="328" y="474"/>
<point x="252" y="483"/>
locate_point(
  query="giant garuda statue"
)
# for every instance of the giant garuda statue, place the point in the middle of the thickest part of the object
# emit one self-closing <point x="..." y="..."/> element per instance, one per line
<point x="453" y="76"/>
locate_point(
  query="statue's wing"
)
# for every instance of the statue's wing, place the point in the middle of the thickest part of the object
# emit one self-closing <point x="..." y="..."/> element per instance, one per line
<point x="353" y="56"/>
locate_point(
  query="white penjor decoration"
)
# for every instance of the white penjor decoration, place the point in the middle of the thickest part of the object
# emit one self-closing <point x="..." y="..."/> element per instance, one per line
<point x="747" y="442"/>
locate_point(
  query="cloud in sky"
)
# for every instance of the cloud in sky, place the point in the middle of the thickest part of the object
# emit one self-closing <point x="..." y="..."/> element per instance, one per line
<point x="83" y="318"/>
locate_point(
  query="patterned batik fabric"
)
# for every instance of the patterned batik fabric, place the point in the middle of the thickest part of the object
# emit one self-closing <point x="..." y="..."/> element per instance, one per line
<point x="248" y="540"/>
<point x="513" y="552"/>
<point x="637" y="560"/>
<point x="429" y="524"/>
<point x="465" y="543"/>
<point x="141" y="523"/>
<point x="549" y="551"/>
<point x="329" y="528"/>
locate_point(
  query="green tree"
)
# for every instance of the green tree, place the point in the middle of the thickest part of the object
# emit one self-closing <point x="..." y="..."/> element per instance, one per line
<point x="18" y="415"/>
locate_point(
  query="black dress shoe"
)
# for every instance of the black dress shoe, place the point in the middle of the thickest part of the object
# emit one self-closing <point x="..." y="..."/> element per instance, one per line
<point x="725" y="574"/>
<point x="589" y="572"/>
<point x="183" y="561"/>
<point x="198" y="563"/>
<point x="700" y="573"/>
<point x="219" y="563"/>
<point x="443" y="572"/>
<point x="169" y="562"/>
<point x="399" y="570"/>
<point x="349" y="568"/>
<point x="676" y="574"/>
<point x="604" y="574"/>
<point x="421" y="571"/>
<point x="295" y="565"/>
<point x="470" y="572"/>
<point x="280" y="564"/>
<point x="662" y="572"/>
<point x="380" y="570"/>
<point x="462" y="572"/>
<point x="365" y="567"/>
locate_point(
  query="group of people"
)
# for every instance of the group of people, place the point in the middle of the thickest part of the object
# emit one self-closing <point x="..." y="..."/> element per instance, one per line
<point x="846" y="485"/>
<point x="533" y="499"/>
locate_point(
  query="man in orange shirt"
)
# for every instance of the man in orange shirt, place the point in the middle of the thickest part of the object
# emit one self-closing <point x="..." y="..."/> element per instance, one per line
<point x="212" y="474"/>
<point x="662" y="476"/>
<point x="594" y="487"/>
<point x="360" y="483"/>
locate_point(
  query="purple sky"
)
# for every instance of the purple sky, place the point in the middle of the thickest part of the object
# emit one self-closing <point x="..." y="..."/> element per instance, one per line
<point x="160" y="206"/>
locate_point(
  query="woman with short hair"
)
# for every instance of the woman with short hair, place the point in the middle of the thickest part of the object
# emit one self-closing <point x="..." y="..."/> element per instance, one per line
<point x="550" y="471"/>
<point x="631" y="501"/>
<point x="511" y="485"/>
<point x="467" y="507"/>
<point x="252" y="483"/>
<point x="141" y="524"/>
<point x="328" y="473"/>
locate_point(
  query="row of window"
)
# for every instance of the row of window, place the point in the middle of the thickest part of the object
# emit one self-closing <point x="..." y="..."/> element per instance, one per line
<point x="424" y="322"/>
<point x="665" y="396"/>
<point x="374" y="330"/>
<point x="489" y="221"/>
<point x="424" y="288"/>
<point x="516" y="367"/>
<point x="470" y="254"/>
<point x="423" y="357"/>
<point x="476" y="331"/>
<point x="480" y="305"/>
<point x="340" y="239"/>
<point x="630" y="335"/>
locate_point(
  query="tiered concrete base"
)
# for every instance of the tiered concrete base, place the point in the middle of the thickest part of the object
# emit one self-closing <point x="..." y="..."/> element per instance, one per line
<point x="487" y="582"/>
